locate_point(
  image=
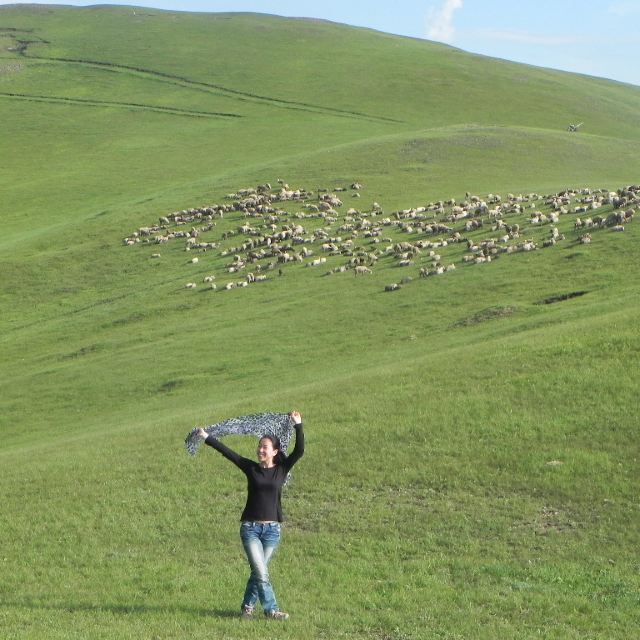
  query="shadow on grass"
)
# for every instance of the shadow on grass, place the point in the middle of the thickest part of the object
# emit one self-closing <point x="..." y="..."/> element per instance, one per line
<point x="119" y="609"/>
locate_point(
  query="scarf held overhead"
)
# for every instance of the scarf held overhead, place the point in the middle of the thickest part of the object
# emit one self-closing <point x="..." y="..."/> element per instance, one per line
<point x="256" y="424"/>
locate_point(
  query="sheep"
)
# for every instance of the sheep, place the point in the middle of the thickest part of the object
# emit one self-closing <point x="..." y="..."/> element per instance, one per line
<point x="190" y="285"/>
<point x="280" y="231"/>
<point x="392" y="287"/>
<point x="585" y="239"/>
<point x="538" y="218"/>
<point x="362" y="270"/>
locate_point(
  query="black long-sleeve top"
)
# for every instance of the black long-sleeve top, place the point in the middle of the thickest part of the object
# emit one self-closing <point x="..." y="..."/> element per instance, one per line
<point x="264" y="486"/>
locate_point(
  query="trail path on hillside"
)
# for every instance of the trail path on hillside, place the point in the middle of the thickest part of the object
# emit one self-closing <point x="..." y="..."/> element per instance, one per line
<point x="126" y="105"/>
<point x="216" y="89"/>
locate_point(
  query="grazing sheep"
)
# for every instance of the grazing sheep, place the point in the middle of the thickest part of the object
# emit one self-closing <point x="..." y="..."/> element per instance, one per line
<point x="392" y="287"/>
<point x="190" y="285"/>
<point x="275" y="233"/>
<point x="361" y="270"/>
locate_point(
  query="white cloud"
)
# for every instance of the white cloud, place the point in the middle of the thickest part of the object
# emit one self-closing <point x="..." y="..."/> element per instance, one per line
<point x="440" y="21"/>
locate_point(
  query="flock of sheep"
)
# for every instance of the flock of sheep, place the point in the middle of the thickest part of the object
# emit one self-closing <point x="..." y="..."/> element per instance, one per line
<point x="261" y="231"/>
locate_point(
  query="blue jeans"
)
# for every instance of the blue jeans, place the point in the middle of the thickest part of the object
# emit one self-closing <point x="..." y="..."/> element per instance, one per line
<point x="260" y="540"/>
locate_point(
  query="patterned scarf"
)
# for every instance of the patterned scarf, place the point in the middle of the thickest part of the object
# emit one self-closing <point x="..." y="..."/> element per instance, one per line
<point x="257" y="424"/>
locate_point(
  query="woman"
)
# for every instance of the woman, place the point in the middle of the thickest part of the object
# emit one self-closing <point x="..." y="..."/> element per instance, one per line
<point x="262" y="515"/>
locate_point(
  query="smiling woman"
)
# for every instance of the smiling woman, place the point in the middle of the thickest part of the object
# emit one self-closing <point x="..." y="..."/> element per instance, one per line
<point x="262" y="516"/>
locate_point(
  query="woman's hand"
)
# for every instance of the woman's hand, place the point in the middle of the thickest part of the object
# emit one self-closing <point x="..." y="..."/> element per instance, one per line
<point x="297" y="418"/>
<point x="202" y="433"/>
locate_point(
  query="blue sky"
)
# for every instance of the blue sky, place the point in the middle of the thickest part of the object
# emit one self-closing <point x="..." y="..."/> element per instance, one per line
<point x="594" y="37"/>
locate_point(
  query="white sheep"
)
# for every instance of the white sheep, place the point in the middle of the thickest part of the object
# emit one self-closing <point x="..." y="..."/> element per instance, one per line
<point x="361" y="270"/>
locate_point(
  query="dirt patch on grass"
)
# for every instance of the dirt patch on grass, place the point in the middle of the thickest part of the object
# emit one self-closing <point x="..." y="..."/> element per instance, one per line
<point x="490" y="313"/>
<point x="10" y="67"/>
<point x="550" y="520"/>
<point x="83" y="351"/>
<point x="170" y="385"/>
<point x="561" y="297"/>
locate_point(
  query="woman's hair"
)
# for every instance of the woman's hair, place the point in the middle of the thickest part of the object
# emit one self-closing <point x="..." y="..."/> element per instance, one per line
<point x="280" y="457"/>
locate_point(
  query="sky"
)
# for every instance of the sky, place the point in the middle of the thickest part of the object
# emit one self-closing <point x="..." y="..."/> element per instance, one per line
<point x="594" y="37"/>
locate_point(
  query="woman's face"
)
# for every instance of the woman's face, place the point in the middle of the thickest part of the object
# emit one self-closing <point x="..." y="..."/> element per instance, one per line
<point x="266" y="452"/>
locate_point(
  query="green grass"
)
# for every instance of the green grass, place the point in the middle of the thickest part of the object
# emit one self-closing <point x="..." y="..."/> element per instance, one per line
<point x="471" y="469"/>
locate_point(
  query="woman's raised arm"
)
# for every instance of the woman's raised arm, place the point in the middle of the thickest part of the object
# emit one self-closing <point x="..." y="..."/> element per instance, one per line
<point x="298" y="449"/>
<point x="229" y="454"/>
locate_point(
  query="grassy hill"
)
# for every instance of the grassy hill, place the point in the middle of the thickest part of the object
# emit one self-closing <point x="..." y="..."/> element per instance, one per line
<point x="472" y="446"/>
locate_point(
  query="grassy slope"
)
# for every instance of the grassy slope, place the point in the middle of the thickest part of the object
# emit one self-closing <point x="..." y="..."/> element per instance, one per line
<point x="108" y="362"/>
